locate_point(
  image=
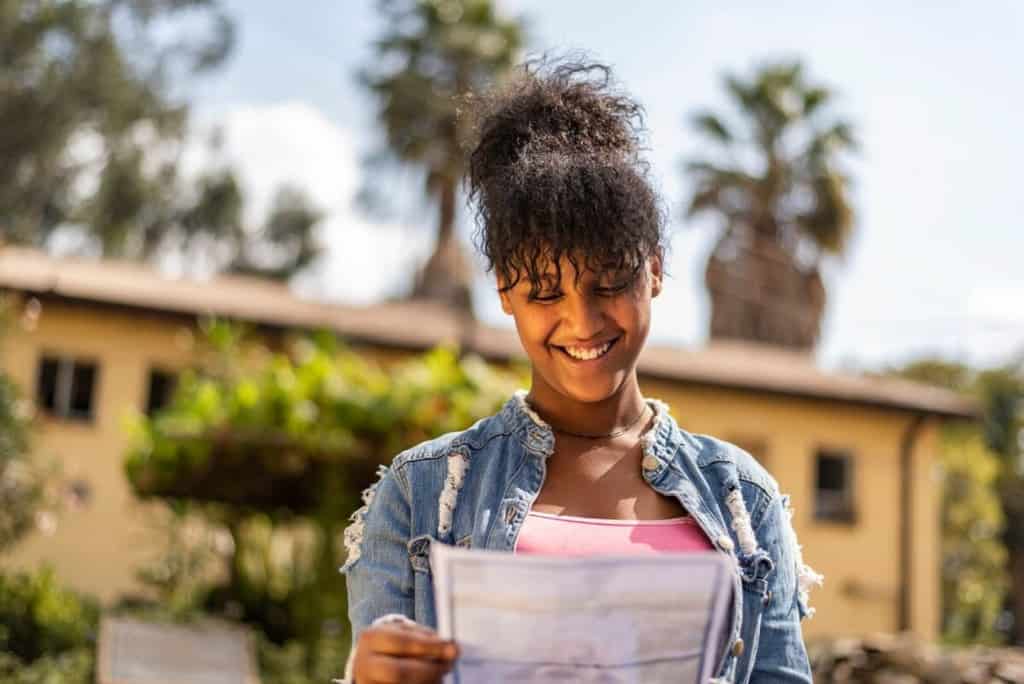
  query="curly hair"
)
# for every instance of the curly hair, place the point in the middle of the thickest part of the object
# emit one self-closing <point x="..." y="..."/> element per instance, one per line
<point x="555" y="170"/>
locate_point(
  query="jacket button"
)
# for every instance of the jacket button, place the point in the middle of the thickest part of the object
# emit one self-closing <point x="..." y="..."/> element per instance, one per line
<point x="737" y="648"/>
<point x="725" y="543"/>
<point x="650" y="462"/>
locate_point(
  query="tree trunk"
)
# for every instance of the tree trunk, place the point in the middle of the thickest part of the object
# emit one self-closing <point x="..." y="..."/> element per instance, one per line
<point x="759" y="294"/>
<point x="448" y="274"/>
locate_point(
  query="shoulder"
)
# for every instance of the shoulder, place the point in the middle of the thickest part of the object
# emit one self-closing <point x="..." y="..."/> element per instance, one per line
<point x="712" y="450"/>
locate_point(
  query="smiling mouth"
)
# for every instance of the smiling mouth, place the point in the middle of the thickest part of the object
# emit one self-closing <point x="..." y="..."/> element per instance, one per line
<point x="591" y="354"/>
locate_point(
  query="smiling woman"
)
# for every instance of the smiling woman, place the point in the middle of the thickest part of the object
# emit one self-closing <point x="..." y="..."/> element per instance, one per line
<point x="583" y="463"/>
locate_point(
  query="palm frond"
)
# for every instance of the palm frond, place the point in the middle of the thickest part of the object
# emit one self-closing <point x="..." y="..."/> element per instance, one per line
<point x="829" y="222"/>
<point x="712" y="126"/>
<point x="814" y="99"/>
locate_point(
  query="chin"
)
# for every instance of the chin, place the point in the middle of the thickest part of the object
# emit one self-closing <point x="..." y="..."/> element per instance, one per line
<point x="590" y="392"/>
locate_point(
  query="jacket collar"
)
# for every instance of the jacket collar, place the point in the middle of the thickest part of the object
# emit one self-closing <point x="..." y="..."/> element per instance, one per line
<point x="539" y="438"/>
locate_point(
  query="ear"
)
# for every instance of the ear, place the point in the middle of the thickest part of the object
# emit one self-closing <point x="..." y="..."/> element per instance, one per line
<point x="656" y="275"/>
<point x="506" y="301"/>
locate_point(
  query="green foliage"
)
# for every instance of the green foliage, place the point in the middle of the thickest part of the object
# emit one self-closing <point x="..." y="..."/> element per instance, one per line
<point x="286" y="664"/>
<point x="327" y="406"/>
<point x="76" y="666"/>
<point x="792" y="189"/>
<point x="191" y="549"/>
<point x="39" y="618"/>
<point x="983" y="513"/>
<point x="91" y="137"/>
<point x="22" y="478"/>
<point x="83" y="91"/>
<point x="273" y="450"/>
<point x="21" y="482"/>
<point x="974" y="575"/>
<point x="431" y="54"/>
<point x="443" y="49"/>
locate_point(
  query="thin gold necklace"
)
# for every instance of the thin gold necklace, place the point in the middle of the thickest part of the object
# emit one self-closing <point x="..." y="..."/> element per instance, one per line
<point x="610" y="435"/>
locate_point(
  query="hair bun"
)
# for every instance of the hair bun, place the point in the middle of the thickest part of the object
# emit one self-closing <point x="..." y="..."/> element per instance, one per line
<point x="551" y="112"/>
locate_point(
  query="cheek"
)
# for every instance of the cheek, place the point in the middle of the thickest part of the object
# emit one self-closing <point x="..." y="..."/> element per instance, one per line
<point x="534" y="330"/>
<point x="633" y="312"/>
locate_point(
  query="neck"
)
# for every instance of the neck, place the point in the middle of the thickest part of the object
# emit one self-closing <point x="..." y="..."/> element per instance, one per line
<point x="606" y="416"/>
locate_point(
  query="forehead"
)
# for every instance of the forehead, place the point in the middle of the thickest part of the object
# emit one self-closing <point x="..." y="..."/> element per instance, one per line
<point x="548" y="273"/>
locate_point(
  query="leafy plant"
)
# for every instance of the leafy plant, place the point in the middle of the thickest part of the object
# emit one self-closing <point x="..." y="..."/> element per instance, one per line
<point x="76" y="666"/>
<point x="276" y="451"/>
<point x="974" y="576"/>
<point x="23" y="478"/>
<point x="39" y="618"/>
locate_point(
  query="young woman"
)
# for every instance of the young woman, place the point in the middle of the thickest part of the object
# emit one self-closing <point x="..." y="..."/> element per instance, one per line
<point x="583" y="463"/>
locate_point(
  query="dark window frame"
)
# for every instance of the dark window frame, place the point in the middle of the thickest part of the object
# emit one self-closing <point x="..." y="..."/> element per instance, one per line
<point x="834" y="504"/>
<point x="150" y="405"/>
<point x="62" y="393"/>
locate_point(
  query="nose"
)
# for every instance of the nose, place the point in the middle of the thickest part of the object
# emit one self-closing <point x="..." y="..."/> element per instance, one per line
<point x="583" y="316"/>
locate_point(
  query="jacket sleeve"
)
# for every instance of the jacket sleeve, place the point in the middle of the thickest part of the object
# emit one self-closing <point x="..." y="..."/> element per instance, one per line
<point x="379" y="579"/>
<point x="781" y="654"/>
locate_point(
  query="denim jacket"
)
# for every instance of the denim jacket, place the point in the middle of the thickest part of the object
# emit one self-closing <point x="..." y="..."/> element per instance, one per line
<point x="474" y="488"/>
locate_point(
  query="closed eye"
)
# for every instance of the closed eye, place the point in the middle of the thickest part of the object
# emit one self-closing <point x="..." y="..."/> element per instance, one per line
<point x="609" y="291"/>
<point x="612" y="289"/>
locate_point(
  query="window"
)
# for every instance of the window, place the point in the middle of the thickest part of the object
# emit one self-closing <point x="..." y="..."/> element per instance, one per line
<point x="161" y="388"/>
<point x="833" y="490"/>
<point x="66" y="387"/>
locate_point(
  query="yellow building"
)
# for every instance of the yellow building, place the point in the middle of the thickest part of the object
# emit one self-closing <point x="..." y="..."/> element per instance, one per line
<point x="95" y="341"/>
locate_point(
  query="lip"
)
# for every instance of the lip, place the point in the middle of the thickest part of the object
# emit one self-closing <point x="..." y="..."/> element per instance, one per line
<point x="589" y="362"/>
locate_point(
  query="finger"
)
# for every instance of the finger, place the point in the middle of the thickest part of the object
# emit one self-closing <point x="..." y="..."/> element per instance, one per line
<point x="407" y="643"/>
<point x="385" y="669"/>
<point x="410" y="626"/>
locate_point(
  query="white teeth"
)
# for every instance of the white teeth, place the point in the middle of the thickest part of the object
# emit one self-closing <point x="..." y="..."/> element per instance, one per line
<point x="587" y="354"/>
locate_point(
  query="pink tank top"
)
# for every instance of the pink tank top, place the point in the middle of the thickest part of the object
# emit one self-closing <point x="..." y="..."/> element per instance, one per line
<point x="565" y="535"/>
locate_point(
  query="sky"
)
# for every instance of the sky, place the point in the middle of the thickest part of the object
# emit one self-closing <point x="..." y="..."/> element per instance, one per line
<point x="935" y="95"/>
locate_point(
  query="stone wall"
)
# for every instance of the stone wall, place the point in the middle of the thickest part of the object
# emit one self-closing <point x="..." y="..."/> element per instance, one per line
<point x="886" y="659"/>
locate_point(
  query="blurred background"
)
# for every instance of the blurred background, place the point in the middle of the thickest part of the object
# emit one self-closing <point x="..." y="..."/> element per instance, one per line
<point x="237" y="277"/>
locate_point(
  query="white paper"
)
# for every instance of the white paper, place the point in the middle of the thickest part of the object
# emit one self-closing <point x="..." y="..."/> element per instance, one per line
<point x="607" y="619"/>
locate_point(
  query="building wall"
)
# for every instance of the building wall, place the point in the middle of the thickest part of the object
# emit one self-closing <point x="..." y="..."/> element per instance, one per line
<point x="860" y="560"/>
<point x="99" y="547"/>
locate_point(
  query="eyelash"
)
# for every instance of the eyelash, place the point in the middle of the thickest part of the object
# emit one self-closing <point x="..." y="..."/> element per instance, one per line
<point x="603" y="291"/>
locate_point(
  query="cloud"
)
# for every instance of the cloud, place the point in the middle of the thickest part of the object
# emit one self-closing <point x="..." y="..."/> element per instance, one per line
<point x="295" y="143"/>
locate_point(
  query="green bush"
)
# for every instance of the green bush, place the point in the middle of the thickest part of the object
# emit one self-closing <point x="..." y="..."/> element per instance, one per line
<point x="287" y="663"/>
<point x="70" y="667"/>
<point x="41" y="620"/>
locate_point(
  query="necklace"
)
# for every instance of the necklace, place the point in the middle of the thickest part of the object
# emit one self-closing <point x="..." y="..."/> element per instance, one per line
<point x="609" y="435"/>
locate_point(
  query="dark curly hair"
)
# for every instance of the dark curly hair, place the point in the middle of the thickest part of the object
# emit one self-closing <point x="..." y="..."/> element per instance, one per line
<point x="555" y="169"/>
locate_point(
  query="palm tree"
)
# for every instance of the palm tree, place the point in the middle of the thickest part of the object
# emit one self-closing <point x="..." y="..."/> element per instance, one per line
<point x="433" y="53"/>
<point x="775" y="182"/>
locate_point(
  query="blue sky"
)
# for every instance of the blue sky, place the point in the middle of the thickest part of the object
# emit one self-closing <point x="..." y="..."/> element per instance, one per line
<point x="936" y="95"/>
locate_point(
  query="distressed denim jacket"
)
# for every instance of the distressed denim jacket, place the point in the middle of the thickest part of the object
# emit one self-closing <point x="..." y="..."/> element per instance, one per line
<point x="474" y="488"/>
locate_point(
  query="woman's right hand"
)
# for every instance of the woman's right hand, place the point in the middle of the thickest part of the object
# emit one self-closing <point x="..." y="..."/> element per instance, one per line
<point x="401" y="653"/>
